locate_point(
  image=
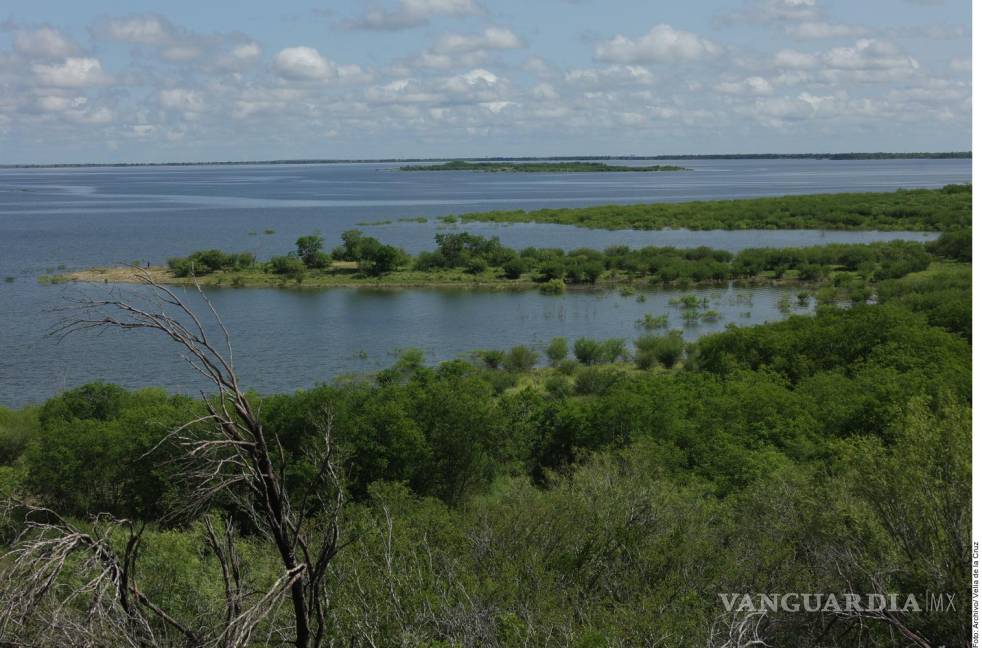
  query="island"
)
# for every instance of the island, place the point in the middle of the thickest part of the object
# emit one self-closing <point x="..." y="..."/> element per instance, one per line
<point x="540" y="167"/>
<point x="836" y="271"/>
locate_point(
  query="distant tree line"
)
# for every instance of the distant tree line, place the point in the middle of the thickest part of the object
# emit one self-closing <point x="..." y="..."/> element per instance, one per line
<point x="541" y="167"/>
<point x="906" y="209"/>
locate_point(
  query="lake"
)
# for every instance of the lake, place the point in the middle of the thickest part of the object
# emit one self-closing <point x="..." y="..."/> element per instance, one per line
<point x="76" y="218"/>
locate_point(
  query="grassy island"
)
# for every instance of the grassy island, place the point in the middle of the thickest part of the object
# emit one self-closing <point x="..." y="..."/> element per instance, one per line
<point x="467" y="260"/>
<point x="540" y="167"/>
<point x="919" y="209"/>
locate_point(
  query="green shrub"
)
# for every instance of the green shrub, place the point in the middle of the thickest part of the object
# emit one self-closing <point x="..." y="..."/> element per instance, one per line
<point x="557" y="351"/>
<point x="520" y="358"/>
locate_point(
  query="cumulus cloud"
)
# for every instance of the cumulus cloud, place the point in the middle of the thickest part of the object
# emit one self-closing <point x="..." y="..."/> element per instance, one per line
<point x="609" y="76"/>
<point x="180" y="88"/>
<point x="794" y="59"/>
<point x="466" y="50"/>
<point x="303" y="64"/>
<point x="74" y="72"/>
<point x="492" y="38"/>
<point x="662" y="44"/>
<point x="44" y="42"/>
<point x="148" y="29"/>
<point x="182" y="100"/>
<point x="869" y="54"/>
<point x="413" y="13"/>
<point x="754" y="85"/>
<point x="175" y="44"/>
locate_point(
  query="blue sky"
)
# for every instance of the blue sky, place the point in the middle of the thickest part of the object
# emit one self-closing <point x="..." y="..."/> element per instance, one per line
<point x="192" y="81"/>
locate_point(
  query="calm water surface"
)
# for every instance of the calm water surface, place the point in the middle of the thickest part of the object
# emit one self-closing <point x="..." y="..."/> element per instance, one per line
<point x="290" y="339"/>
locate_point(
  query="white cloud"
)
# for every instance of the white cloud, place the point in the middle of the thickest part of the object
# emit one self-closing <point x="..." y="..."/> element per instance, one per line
<point x="466" y="50"/>
<point x="545" y="91"/>
<point x="768" y="11"/>
<point x="492" y="38"/>
<point x="750" y="86"/>
<point x="72" y="73"/>
<point x="246" y="52"/>
<point x="175" y="44"/>
<point x="869" y="54"/>
<point x="610" y="76"/>
<point x="149" y="29"/>
<point x="662" y="44"/>
<point x="796" y="60"/>
<point x="478" y="78"/>
<point x="44" y="42"/>
<point x="814" y="30"/>
<point x="182" y="100"/>
<point x="414" y="13"/>
<point x="303" y="64"/>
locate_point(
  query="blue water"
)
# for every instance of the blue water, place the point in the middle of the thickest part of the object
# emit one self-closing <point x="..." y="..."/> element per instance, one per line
<point x="75" y="218"/>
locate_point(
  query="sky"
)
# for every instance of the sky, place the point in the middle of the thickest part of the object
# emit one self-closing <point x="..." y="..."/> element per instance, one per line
<point x="113" y="81"/>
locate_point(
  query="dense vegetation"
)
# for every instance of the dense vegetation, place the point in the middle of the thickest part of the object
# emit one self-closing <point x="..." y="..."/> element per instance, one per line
<point x="918" y="209"/>
<point x="487" y="260"/>
<point x="605" y="499"/>
<point x="581" y="492"/>
<point x="540" y="167"/>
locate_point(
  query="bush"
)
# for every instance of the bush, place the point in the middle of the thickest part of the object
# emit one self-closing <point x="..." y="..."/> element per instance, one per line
<point x="953" y="245"/>
<point x="492" y="358"/>
<point x="567" y="367"/>
<point x="553" y="287"/>
<point x="289" y="266"/>
<point x="520" y="358"/>
<point x="588" y="352"/>
<point x="593" y="381"/>
<point x="613" y="350"/>
<point x="476" y="265"/>
<point x="557" y="350"/>
<point x="381" y="259"/>
<point x="558" y="386"/>
<point x="205" y="262"/>
<point x="514" y="268"/>
<point x="665" y="350"/>
<point x="309" y="251"/>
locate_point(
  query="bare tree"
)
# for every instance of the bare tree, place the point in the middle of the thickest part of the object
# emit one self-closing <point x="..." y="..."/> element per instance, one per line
<point x="226" y="455"/>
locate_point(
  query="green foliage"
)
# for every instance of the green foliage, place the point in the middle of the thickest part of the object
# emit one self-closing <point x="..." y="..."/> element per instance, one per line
<point x="17" y="427"/>
<point x="373" y="258"/>
<point x="492" y="359"/>
<point x="905" y="209"/>
<point x="557" y="351"/>
<point x="942" y="294"/>
<point x="650" y="322"/>
<point x="206" y="262"/>
<point x="289" y="266"/>
<point x="587" y="351"/>
<point x="665" y="350"/>
<point x="520" y="358"/>
<point x="309" y="250"/>
<point x="956" y="245"/>
<point x="93" y="450"/>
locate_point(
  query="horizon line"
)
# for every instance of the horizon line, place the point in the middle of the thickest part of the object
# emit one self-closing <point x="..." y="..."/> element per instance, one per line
<point x="857" y="155"/>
